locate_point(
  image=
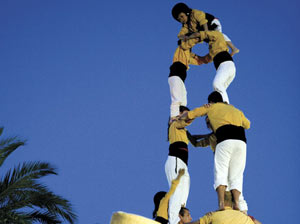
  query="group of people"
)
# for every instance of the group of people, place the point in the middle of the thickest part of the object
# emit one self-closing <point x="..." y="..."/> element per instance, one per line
<point x="227" y="124"/>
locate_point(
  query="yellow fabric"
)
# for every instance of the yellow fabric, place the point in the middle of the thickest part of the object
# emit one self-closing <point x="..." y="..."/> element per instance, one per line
<point x="186" y="57"/>
<point x="126" y="218"/>
<point x="177" y="132"/>
<point x="196" y="17"/>
<point x="220" y="114"/>
<point x="228" y="216"/>
<point x="210" y="141"/>
<point x="164" y="202"/>
<point x="216" y="42"/>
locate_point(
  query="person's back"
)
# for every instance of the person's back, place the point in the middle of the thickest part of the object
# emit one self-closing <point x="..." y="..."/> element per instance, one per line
<point x="224" y="114"/>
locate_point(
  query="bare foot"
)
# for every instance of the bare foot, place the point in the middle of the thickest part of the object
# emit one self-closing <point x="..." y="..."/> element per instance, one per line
<point x="236" y="207"/>
<point x="234" y="51"/>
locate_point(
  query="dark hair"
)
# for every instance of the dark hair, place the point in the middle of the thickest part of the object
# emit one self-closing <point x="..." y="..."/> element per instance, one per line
<point x="215" y="97"/>
<point x="179" y="8"/>
<point x="183" y="108"/>
<point x="156" y="199"/>
<point x="181" y="211"/>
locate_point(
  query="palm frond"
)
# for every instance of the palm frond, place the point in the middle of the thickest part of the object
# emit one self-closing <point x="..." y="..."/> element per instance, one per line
<point x="23" y="200"/>
<point x="8" y="217"/>
<point x="57" y="205"/>
<point x="24" y="176"/>
<point x="44" y="217"/>
<point x="7" y="146"/>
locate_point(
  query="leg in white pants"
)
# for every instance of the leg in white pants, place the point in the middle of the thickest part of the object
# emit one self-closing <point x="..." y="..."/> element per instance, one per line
<point x="179" y="198"/>
<point x="230" y="161"/>
<point x="224" y="76"/>
<point x="219" y="28"/>
<point x="178" y="94"/>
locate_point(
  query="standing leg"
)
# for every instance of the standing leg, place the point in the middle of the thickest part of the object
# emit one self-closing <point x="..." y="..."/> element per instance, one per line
<point x="236" y="195"/>
<point x="181" y="193"/>
<point x="221" y="195"/>
<point x="234" y="49"/>
<point x="224" y="76"/>
<point x="236" y="170"/>
<point x="178" y="95"/>
<point x="221" y="166"/>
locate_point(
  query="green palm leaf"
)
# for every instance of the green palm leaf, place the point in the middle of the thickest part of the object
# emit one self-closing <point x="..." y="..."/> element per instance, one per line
<point x="23" y="199"/>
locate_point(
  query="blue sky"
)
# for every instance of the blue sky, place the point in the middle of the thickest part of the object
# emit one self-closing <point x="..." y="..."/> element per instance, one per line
<point x="85" y="82"/>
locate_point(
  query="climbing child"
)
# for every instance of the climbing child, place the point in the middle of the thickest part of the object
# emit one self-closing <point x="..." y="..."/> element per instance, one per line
<point x="218" y="52"/>
<point x="194" y="20"/>
<point x="178" y="72"/>
<point x="178" y="159"/>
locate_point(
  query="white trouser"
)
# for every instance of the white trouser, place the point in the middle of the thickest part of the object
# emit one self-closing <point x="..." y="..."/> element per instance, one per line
<point x="219" y="28"/>
<point x="224" y="76"/>
<point x="178" y="94"/>
<point x="242" y="203"/>
<point x="180" y="196"/>
<point x="230" y="162"/>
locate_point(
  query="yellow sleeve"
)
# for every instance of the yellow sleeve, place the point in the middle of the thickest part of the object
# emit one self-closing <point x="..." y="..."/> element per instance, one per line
<point x="205" y="220"/>
<point x="174" y="185"/>
<point x="198" y="112"/>
<point x="184" y="30"/>
<point x="212" y="35"/>
<point x="245" y="121"/>
<point x="200" y="17"/>
<point x="180" y="124"/>
<point x="163" y="205"/>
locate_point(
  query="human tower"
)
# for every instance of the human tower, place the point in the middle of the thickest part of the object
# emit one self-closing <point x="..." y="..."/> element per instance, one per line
<point x="227" y="123"/>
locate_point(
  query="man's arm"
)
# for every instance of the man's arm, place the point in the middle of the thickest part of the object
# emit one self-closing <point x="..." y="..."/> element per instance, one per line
<point x="191" y="138"/>
<point x="174" y="184"/>
<point x="198" y="112"/>
<point x="204" y="139"/>
<point x="181" y="123"/>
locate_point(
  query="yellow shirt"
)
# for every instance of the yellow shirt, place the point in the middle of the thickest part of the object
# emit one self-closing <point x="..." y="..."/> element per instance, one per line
<point x="215" y="39"/>
<point x="216" y="42"/>
<point x="220" y="114"/>
<point x="164" y="202"/>
<point x="228" y="216"/>
<point x="197" y="17"/>
<point x="186" y="57"/>
<point x="177" y="132"/>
